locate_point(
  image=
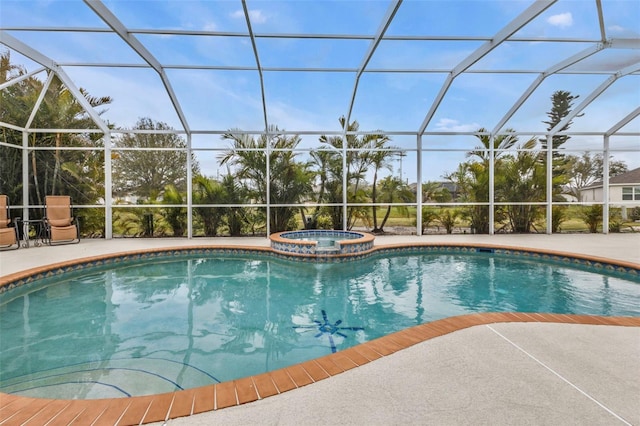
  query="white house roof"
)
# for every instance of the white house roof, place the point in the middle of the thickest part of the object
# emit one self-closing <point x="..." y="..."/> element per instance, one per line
<point x="632" y="177"/>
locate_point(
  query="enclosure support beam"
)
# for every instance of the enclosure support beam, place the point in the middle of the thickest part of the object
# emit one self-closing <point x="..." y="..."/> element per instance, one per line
<point x="41" y="95"/>
<point x="189" y="189"/>
<point x="605" y="186"/>
<point x="258" y="65"/>
<point x="549" y="180"/>
<point x="38" y="57"/>
<point x="538" y="81"/>
<point x="593" y="95"/>
<point x="114" y="23"/>
<point x="492" y="181"/>
<point x="418" y="185"/>
<point x="108" y="190"/>
<point x="25" y="175"/>
<point x="511" y="28"/>
<point x="626" y="120"/>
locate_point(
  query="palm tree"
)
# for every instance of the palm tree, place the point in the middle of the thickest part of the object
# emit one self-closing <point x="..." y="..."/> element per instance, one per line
<point x="60" y="109"/>
<point x="394" y="190"/>
<point x="379" y="160"/>
<point x="176" y="217"/>
<point x="50" y="172"/>
<point x="236" y="217"/>
<point x="208" y="191"/>
<point x="448" y="218"/>
<point x="472" y="177"/>
<point x="289" y="181"/>
<point x="362" y="153"/>
<point x="500" y="143"/>
<point x="472" y="181"/>
<point x="523" y="180"/>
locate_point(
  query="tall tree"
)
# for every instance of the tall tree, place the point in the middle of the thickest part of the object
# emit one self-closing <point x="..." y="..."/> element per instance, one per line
<point x="561" y="104"/>
<point x="161" y="161"/>
<point x="587" y="169"/>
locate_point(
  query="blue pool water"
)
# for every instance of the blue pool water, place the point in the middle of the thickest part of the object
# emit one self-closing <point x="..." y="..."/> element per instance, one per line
<point x="182" y="322"/>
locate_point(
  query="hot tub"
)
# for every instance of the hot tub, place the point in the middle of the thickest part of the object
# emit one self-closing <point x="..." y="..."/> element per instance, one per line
<point x="321" y="242"/>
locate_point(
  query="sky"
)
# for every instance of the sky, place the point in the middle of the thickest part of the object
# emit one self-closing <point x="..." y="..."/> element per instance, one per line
<point x="391" y="94"/>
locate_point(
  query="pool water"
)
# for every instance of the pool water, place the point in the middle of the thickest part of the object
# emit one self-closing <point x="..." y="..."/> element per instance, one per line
<point x="184" y="322"/>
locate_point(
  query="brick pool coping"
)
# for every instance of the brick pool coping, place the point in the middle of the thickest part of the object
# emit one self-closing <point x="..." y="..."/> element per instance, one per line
<point x="161" y="407"/>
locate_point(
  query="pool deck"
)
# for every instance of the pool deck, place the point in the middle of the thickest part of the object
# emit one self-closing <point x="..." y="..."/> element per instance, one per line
<point x="497" y="369"/>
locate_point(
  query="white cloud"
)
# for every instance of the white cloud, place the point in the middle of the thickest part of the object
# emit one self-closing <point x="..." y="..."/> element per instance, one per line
<point x="256" y="16"/>
<point x="210" y="26"/>
<point x="562" y="20"/>
<point x="452" y="125"/>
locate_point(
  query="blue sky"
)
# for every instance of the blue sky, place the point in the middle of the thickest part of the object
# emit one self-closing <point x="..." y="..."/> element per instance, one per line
<point x="313" y="101"/>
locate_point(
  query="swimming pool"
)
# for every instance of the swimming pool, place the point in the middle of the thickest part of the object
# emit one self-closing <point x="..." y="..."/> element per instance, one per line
<point x="184" y="320"/>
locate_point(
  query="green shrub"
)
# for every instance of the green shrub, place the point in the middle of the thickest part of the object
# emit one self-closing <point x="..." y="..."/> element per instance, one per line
<point x="324" y="222"/>
<point x="592" y="217"/>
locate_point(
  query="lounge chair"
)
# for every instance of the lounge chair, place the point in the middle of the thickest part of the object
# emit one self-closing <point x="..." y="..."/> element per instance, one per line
<point x="59" y="223"/>
<point x="8" y="230"/>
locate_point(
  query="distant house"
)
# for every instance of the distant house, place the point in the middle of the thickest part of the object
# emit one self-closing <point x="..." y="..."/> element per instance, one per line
<point x="624" y="190"/>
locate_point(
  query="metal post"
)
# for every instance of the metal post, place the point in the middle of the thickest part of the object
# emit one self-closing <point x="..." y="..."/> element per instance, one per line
<point x="492" y="175"/>
<point x="108" y="190"/>
<point x="549" y="205"/>
<point x="419" y="186"/>
<point x="25" y="175"/>
<point x="605" y="185"/>
<point x="189" y="189"/>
